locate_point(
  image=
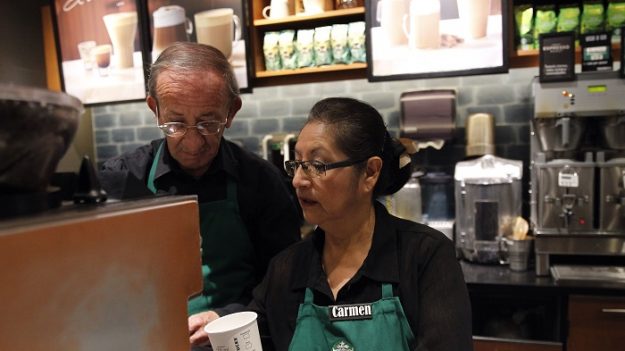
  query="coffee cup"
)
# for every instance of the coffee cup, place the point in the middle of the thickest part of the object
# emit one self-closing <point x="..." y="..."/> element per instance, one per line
<point x="473" y="17"/>
<point x="519" y="253"/>
<point x="102" y="58"/>
<point x="122" y="28"/>
<point x="312" y="7"/>
<point x="421" y="25"/>
<point x="388" y="14"/>
<point x="236" y="331"/>
<point x="170" y="25"/>
<point x="85" y="49"/>
<point x="277" y="9"/>
<point x="215" y="28"/>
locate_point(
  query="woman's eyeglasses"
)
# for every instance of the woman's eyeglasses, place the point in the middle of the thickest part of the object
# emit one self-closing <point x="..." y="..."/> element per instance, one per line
<point x="314" y="169"/>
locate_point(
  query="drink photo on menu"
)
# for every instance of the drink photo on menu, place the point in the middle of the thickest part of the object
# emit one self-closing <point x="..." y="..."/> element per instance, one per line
<point x="435" y="38"/>
<point x="100" y="53"/>
<point x="219" y="23"/>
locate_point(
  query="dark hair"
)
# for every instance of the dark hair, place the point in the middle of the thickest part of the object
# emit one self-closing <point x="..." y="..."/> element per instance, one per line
<point x="191" y="57"/>
<point x="359" y="132"/>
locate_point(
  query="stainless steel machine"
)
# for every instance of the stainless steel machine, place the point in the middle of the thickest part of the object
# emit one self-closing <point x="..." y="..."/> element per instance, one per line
<point x="577" y="143"/>
<point x="488" y="201"/>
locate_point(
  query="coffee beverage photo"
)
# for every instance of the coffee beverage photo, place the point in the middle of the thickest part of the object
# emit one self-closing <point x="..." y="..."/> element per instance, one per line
<point x="102" y="56"/>
<point x="421" y="24"/>
<point x="122" y="28"/>
<point x="170" y="25"/>
<point x="218" y="28"/>
<point x="474" y="17"/>
<point x="389" y="14"/>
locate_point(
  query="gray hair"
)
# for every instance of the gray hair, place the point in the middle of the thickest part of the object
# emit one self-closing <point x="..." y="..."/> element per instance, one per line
<point x="188" y="56"/>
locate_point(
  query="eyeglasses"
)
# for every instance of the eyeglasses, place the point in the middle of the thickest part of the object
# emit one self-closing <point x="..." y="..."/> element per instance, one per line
<point x="314" y="169"/>
<point x="178" y="129"/>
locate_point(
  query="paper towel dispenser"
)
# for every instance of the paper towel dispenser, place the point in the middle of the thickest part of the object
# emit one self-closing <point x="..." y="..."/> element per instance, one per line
<point x="427" y="114"/>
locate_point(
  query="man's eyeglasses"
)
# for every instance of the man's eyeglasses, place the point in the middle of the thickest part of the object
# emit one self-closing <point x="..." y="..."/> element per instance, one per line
<point x="178" y="129"/>
<point x="314" y="169"/>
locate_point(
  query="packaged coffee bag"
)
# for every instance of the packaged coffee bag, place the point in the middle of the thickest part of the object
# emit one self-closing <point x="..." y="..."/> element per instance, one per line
<point x="544" y="22"/>
<point x="271" y="51"/>
<point x="304" y="47"/>
<point x="322" y="46"/>
<point x="356" y="41"/>
<point x="593" y="14"/>
<point x="568" y="18"/>
<point x="338" y="39"/>
<point x="615" y="19"/>
<point x="523" y="18"/>
<point x="288" y="56"/>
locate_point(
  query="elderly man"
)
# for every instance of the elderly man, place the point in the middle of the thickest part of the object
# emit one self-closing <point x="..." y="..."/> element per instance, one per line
<point x="247" y="214"/>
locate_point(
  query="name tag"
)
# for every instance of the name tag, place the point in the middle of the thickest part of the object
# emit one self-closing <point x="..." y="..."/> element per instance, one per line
<point x="350" y="312"/>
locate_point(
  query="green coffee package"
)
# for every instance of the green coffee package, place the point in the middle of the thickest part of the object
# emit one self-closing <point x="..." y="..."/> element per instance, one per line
<point x="356" y="41"/>
<point x="592" y="17"/>
<point x="524" y="17"/>
<point x="286" y="42"/>
<point x="615" y="19"/>
<point x="304" y="47"/>
<point x="545" y="21"/>
<point x="322" y="46"/>
<point x="271" y="51"/>
<point x="338" y="39"/>
<point x="568" y="18"/>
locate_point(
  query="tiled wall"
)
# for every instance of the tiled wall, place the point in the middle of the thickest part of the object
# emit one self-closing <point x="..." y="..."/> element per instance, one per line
<point x="122" y="127"/>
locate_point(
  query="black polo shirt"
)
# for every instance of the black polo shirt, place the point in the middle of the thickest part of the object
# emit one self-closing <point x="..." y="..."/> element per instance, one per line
<point x="417" y="260"/>
<point x="266" y="204"/>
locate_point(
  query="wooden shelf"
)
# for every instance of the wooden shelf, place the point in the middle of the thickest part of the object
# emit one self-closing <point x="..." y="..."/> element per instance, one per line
<point x="312" y="70"/>
<point x="305" y="18"/>
<point x="260" y="26"/>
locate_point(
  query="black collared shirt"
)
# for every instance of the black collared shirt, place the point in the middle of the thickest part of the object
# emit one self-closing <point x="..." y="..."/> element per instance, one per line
<point x="266" y="205"/>
<point x="417" y="260"/>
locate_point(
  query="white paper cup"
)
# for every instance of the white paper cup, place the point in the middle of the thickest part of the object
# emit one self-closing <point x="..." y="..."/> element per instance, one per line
<point x="237" y="331"/>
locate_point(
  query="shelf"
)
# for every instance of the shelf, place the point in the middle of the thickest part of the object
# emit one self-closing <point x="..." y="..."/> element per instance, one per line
<point x="311" y="70"/>
<point x="530" y="58"/>
<point x="305" y="18"/>
<point x="311" y="75"/>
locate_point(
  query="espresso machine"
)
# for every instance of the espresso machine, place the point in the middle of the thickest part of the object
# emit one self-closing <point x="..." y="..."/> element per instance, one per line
<point x="577" y="145"/>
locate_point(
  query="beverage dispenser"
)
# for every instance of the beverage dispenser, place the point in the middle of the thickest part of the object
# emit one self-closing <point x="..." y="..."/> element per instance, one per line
<point x="488" y="201"/>
<point x="577" y="145"/>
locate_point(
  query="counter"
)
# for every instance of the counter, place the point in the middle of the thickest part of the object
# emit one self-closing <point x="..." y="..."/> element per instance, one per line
<point x="522" y="311"/>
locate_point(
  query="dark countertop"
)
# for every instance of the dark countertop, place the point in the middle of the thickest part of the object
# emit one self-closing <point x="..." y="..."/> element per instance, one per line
<point x="487" y="277"/>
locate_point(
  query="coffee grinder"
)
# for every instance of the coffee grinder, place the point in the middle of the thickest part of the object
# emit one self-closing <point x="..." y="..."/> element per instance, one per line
<point x="577" y="145"/>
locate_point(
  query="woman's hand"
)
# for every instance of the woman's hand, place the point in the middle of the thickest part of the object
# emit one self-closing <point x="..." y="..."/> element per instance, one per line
<point x="197" y="335"/>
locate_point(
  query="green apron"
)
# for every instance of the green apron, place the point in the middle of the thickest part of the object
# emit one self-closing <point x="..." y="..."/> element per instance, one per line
<point x="227" y="252"/>
<point x="385" y="329"/>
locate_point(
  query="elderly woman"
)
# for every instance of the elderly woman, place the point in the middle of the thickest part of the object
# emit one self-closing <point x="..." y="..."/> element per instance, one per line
<point x="364" y="280"/>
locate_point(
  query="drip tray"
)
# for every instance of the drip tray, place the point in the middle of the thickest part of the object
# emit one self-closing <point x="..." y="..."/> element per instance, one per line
<point x="576" y="273"/>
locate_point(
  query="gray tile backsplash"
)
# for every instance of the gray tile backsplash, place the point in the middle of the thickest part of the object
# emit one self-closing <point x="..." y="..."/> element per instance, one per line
<point x="122" y="127"/>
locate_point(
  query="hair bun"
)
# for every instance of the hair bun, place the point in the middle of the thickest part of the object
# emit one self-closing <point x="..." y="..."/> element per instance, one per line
<point x="395" y="170"/>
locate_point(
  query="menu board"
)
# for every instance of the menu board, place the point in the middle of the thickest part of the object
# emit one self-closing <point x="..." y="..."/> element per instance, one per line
<point x="219" y="23"/>
<point x="557" y="57"/>
<point x="100" y="50"/>
<point x="436" y="38"/>
<point x="596" y="52"/>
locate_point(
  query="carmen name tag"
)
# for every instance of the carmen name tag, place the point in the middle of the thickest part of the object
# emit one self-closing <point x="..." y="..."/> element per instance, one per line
<point x="350" y="312"/>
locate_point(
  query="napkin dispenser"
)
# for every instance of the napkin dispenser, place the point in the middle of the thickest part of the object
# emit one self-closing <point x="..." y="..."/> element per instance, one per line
<point x="427" y="114"/>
